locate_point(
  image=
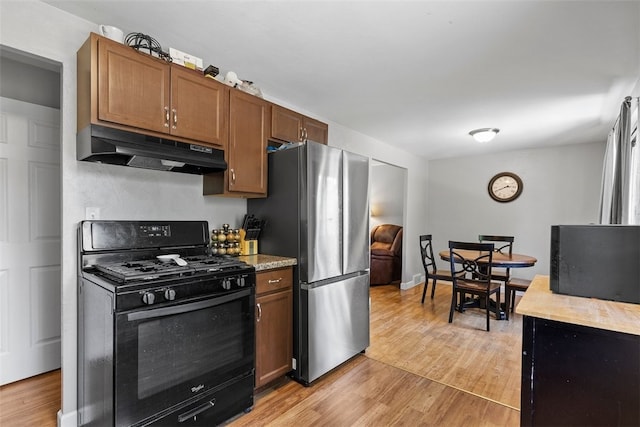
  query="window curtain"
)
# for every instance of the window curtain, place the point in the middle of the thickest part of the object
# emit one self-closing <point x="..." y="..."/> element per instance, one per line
<point x="634" y="206"/>
<point x="617" y="203"/>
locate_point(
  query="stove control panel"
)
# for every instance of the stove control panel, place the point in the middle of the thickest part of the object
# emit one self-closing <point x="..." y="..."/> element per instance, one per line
<point x="172" y="292"/>
<point x="155" y="230"/>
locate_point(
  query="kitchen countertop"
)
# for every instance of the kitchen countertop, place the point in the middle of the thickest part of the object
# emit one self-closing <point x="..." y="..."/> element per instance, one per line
<point x="267" y="262"/>
<point x="539" y="301"/>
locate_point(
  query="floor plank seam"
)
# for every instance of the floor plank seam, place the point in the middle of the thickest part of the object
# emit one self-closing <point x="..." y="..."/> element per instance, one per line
<point x="443" y="383"/>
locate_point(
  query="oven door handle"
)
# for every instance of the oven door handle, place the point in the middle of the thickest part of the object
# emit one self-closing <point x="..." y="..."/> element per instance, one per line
<point x="183" y="308"/>
<point x="200" y="409"/>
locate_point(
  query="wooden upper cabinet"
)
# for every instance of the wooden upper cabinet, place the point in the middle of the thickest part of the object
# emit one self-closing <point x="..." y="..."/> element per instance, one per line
<point x="249" y="129"/>
<point x="290" y="126"/>
<point x="286" y="125"/>
<point x="316" y="130"/>
<point x="198" y="107"/>
<point x="123" y="88"/>
<point x="133" y="88"/>
<point x="246" y="155"/>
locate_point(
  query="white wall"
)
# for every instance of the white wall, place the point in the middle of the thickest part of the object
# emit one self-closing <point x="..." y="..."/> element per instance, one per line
<point x="387" y="194"/>
<point x="28" y="83"/>
<point x="561" y="186"/>
<point x="128" y="193"/>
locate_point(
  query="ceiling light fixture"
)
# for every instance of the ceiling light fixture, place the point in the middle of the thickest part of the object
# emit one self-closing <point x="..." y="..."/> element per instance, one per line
<point x="484" y="134"/>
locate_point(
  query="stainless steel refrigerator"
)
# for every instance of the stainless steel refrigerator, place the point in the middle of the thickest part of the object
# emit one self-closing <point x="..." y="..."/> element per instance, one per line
<point x="318" y="212"/>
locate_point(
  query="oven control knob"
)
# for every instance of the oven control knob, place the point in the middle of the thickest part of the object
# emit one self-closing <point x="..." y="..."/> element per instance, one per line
<point x="226" y="284"/>
<point x="241" y="282"/>
<point x="169" y="294"/>
<point x="148" y="298"/>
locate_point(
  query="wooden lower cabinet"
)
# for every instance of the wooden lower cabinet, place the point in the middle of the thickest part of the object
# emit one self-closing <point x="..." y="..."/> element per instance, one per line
<point x="574" y="375"/>
<point x="274" y="324"/>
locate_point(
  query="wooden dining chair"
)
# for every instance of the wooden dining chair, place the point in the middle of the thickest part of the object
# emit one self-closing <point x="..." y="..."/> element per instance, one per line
<point x="514" y="284"/>
<point x="430" y="269"/>
<point x="504" y="245"/>
<point x="472" y="276"/>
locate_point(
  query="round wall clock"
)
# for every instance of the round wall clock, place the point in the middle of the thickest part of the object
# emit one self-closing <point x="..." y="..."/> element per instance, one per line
<point x="505" y="187"/>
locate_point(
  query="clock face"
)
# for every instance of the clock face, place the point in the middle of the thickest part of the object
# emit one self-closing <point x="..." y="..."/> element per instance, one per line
<point x="505" y="187"/>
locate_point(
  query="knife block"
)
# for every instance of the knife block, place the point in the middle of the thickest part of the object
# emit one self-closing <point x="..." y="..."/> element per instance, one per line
<point x="248" y="246"/>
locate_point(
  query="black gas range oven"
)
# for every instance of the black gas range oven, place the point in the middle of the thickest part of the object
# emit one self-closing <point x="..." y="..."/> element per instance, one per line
<point x="166" y="332"/>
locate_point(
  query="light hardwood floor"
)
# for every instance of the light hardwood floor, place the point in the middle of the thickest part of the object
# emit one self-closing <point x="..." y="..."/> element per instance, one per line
<point x="419" y="370"/>
<point x="31" y="402"/>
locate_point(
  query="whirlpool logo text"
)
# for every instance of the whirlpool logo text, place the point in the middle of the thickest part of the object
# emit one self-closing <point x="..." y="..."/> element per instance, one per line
<point x="197" y="388"/>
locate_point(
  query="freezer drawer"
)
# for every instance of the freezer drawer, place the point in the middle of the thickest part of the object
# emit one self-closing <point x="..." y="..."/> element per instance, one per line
<point x="338" y="325"/>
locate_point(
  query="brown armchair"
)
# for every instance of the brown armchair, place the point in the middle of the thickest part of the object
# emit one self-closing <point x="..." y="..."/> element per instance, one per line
<point x="386" y="254"/>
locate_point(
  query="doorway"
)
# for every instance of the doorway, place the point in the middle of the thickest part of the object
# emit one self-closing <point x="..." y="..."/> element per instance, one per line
<point x="30" y="216"/>
<point x="387" y="196"/>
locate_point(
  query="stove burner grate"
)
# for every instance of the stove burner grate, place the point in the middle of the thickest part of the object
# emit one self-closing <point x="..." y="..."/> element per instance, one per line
<point x="149" y="269"/>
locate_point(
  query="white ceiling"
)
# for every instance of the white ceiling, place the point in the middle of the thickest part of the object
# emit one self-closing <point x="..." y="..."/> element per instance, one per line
<point x="418" y="75"/>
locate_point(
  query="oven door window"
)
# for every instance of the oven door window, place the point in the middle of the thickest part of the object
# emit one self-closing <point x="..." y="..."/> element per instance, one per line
<point x="169" y="355"/>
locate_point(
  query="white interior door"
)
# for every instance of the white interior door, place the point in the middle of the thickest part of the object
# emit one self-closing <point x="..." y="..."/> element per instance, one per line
<point x="29" y="240"/>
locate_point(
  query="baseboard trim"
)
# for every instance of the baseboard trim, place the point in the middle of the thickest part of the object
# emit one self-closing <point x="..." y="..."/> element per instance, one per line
<point x="67" y="419"/>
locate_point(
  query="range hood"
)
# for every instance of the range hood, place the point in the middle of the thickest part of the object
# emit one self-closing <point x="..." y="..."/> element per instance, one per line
<point x="101" y="144"/>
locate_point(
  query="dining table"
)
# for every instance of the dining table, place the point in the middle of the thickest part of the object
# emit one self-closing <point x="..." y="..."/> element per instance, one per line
<point x="499" y="259"/>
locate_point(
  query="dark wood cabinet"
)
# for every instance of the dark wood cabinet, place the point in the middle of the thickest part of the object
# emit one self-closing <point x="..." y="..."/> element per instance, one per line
<point x="249" y="129"/>
<point x="290" y="126"/>
<point x="123" y="88"/>
<point x="574" y="375"/>
<point x="274" y="324"/>
<point x="580" y="360"/>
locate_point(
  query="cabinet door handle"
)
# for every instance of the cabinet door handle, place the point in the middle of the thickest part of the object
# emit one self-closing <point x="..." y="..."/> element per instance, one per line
<point x="306" y="135"/>
<point x="166" y="117"/>
<point x="233" y="176"/>
<point x="259" y="312"/>
<point x="175" y="118"/>
<point x="275" y="281"/>
<point x="301" y="134"/>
